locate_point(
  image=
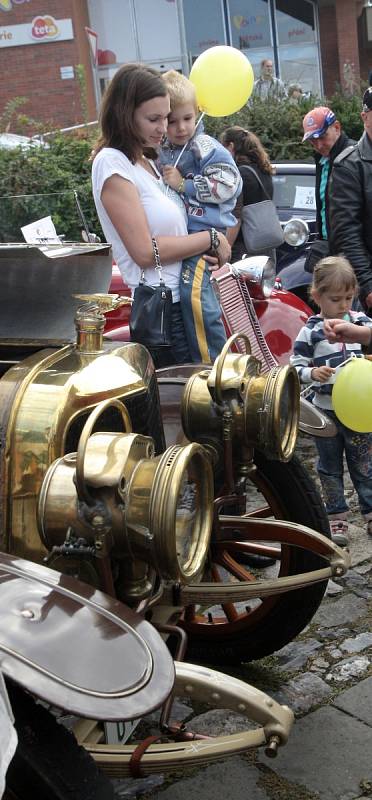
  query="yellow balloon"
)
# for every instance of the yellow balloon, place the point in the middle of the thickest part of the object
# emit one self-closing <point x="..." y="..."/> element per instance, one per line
<point x="223" y="79"/>
<point x="352" y="395"/>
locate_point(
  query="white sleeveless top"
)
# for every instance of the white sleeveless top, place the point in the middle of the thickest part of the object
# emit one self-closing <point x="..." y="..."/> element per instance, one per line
<point x="165" y="215"/>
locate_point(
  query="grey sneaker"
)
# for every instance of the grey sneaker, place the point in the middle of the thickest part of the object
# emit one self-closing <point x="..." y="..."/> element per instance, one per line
<point x="339" y="530"/>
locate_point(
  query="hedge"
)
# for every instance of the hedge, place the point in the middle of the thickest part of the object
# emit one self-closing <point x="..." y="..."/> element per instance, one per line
<point x="52" y="175"/>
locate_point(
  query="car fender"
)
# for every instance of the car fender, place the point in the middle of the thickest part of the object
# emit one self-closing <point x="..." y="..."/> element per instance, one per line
<point x="281" y="317"/>
<point x="294" y="274"/>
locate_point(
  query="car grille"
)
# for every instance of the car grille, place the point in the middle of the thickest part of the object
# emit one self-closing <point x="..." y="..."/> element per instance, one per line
<point x="240" y="317"/>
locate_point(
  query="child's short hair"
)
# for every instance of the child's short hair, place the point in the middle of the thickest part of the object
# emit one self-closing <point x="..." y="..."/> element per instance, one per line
<point x="180" y="89"/>
<point x="332" y="274"/>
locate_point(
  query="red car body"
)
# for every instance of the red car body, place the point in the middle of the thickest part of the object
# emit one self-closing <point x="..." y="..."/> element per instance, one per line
<point x="278" y="317"/>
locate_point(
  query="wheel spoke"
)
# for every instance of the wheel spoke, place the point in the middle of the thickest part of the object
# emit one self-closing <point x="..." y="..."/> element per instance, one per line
<point x="235" y="569"/>
<point x="251" y="547"/>
<point x="259" y="513"/>
<point x="228" y="608"/>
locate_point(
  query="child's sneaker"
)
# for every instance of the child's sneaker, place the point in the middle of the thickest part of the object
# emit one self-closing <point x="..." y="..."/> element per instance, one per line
<point x="339" y="529"/>
<point x="369" y="527"/>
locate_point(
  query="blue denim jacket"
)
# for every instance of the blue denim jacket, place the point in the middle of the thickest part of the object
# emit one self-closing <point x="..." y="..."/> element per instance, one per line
<point x="212" y="181"/>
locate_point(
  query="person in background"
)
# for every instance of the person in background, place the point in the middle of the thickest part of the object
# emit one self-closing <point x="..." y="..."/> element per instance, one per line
<point x="323" y="130"/>
<point x="295" y="94"/>
<point x="131" y="198"/>
<point x="268" y="86"/>
<point x="351" y="205"/>
<point x="247" y="150"/>
<point x="317" y="352"/>
<point x="205" y="175"/>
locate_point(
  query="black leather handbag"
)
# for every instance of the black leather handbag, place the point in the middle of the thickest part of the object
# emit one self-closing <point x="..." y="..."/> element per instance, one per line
<point x="151" y="313"/>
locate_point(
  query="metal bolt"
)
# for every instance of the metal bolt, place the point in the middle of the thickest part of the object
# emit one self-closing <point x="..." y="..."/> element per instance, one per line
<point x="271" y="749"/>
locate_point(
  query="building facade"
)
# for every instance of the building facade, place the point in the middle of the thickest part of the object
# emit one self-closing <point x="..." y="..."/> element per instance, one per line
<point x="48" y="58"/>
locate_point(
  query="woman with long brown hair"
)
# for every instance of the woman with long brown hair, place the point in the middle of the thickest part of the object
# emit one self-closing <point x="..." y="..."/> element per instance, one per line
<point x="133" y="204"/>
<point x="247" y="150"/>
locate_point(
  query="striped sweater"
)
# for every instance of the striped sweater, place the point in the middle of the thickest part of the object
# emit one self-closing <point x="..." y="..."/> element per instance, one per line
<point x="312" y="349"/>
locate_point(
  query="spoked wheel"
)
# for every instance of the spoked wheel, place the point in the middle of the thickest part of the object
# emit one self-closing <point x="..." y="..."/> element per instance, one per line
<point x="243" y="632"/>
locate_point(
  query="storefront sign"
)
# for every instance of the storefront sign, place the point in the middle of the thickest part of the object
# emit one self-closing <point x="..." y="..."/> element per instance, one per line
<point x="43" y="28"/>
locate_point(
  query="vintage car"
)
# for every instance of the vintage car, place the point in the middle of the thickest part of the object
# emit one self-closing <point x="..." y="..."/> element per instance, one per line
<point x="156" y="488"/>
<point x="294" y="197"/>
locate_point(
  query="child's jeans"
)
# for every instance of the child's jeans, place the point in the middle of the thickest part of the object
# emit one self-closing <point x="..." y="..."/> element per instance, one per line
<point x="201" y="311"/>
<point x="358" y="451"/>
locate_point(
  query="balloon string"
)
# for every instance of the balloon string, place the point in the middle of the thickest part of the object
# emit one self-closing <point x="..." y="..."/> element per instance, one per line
<point x="307" y="391"/>
<point x="185" y="145"/>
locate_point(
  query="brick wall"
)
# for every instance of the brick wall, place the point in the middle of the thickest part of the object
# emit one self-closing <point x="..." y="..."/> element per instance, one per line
<point x="328" y="48"/>
<point x="33" y="71"/>
<point x="347" y="36"/>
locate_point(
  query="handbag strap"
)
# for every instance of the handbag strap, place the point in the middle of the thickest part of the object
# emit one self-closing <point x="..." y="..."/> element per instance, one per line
<point x="158" y="265"/>
<point x="246" y="166"/>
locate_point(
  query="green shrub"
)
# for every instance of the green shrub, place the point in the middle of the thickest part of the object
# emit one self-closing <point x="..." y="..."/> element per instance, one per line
<point x="50" y="176"/>
<point x="55" y="173"/>
<point x="278" y="124"/>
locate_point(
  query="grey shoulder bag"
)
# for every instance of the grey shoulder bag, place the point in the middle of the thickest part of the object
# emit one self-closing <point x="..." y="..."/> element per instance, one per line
<point x="261" y="228"/>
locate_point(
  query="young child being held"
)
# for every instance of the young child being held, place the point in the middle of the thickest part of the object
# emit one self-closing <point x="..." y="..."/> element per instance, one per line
<point x="209" y="182"/>
<point x="324" y="343"/>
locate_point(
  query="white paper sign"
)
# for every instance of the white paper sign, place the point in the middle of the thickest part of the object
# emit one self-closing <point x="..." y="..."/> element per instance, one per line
<point x="305" y="197"/>
<point x="41" y="232"/>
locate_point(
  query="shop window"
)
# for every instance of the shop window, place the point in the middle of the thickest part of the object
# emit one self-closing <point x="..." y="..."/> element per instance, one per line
<point x="295" y="21"/>
<point x="300" y="65"/>
<point x="250" y="30"/>
<point x="250" y="24"/>
<point x="204" y="26"/>
<point x="298" y="49"/>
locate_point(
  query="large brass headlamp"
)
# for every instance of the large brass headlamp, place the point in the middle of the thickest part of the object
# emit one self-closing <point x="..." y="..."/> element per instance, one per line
<point x="155" y="509"/>
<point x="260" y="410"/>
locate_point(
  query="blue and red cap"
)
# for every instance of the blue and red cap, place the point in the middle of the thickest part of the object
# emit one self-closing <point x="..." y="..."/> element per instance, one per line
<point x="316" y="122"/>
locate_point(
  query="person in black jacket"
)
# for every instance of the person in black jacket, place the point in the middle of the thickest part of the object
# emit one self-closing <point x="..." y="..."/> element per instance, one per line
<point x="323" y="131"/>
<point x="247" y="150"/>
<point x="351" y="205"/>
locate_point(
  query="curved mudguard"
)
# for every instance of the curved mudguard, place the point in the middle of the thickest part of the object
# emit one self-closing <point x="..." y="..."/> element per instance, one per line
<point x="78" y="648"/>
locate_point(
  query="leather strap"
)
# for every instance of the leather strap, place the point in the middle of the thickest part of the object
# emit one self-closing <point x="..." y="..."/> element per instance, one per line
<point x="246" y="166"/>
<point x="135" y="768"/>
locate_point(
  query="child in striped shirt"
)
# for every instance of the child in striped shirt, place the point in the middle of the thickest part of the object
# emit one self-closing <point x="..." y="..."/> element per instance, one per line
<point x="316" y="356"/>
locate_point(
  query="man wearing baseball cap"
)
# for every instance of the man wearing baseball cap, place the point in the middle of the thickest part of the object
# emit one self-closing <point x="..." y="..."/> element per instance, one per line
<point x="351" y="205"/>
<point x="323" y="131"/>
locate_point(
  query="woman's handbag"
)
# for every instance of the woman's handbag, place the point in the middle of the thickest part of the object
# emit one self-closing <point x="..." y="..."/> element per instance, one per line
<point x="261" y="228"/>
<point x="151" y="313"/>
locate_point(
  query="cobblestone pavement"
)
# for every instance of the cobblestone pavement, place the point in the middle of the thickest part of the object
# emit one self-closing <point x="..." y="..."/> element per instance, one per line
<point x="325" y="676"/>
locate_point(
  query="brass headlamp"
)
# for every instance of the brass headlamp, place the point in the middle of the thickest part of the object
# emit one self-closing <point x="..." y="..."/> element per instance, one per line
<point x="114" y="493"/>
<point x="262" y="409"/>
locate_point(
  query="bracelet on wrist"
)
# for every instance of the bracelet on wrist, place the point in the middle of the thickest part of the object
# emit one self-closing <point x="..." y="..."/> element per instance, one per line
<point x="181" y="187"/>
<point x="215" y="239"/>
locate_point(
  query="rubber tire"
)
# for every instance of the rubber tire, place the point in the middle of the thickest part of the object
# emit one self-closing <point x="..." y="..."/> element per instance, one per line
<point x="48" y="763"/>
<point x="300" y="502"/>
